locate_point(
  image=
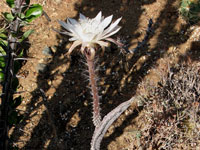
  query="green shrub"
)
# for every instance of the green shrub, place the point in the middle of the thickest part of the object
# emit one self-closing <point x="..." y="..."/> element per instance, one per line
<point x="190" y="10"/>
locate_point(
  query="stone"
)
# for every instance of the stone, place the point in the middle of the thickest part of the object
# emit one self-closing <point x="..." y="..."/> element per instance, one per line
<point x="42" y="68"/>
<point x="47" y="51"/>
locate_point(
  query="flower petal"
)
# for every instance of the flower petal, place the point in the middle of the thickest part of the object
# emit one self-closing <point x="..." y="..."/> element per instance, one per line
<point x="112" y="40"/>
<point x="115" y="30"/>
<point x="82" y="48"/>
<point x="72" y="21"/>
<point x="63" y="24"/>
<point x="90" y="32"/>
<point x="102" y="43"/>
<point x="119" y="44"/>
<point x="74" y="45"/>
<point x="106" y="22"/>
<point x="70" y="24"/>
<point x="82" y="17"/>
<point x="67" y="33"/>
<point x="73" y="39"/>
<point x="112" y="26"/>
<point x="70" y="28"/>
<point x="66" y="26"/>
<point x="64" y="32"/>
<point x="98" y="17"/>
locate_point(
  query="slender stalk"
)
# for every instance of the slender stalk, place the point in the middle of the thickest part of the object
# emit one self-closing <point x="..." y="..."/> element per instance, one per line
<point x="9" y="69"/>
<point x="93" y="84"/>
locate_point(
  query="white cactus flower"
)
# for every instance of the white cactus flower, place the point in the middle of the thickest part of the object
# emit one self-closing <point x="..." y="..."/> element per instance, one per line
<point x="90" y="32"/>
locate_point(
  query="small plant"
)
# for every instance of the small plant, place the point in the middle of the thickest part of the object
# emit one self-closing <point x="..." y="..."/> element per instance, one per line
<point x="190" y="10"/>
<point x="171" y="110"/>
<point x="11" y="53"/>
<point x="89" y="33"/>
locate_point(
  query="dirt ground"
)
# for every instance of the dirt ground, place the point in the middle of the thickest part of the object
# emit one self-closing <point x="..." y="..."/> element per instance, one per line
<point x="57" y="104"/>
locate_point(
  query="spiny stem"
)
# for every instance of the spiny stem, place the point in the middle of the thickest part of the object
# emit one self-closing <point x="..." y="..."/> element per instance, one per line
<point x="93" y="84"/>
<point x="107" y="122"/>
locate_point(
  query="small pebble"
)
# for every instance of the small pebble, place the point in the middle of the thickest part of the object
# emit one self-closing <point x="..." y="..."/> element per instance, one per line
<point x="41" y="68"/>
<point x="47" y="51"/>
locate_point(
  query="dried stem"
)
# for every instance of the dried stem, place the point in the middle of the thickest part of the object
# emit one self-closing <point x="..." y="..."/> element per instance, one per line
<point x="146" y="37"/>
<point x="93" y="84"/>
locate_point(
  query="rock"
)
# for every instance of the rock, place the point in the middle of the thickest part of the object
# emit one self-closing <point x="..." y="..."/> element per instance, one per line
<point x="42" y="68"/>
<point x="47" y="51"/>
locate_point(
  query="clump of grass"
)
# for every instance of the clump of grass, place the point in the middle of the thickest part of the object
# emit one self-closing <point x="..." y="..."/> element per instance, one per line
<point x="172" y="110"/>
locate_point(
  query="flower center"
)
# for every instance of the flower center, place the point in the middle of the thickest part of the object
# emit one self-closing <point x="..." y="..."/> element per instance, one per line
<point x="90" y="29"/>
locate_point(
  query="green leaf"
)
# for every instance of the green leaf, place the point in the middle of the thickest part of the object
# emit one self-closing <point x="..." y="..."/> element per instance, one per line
<point x="21" y="54"/>
<point x="9" y="17"/>
<point x="3" y="36"/>
<point x="10" y="3"/>
<point x="21" y="16"/>
<point x="2" y="30"/>
<point x="3" y="42"/>
<point x="33" y="12"/>
<point x="1" y="76"/>
<point x="26" y="35"/>
<point x="2" y="51"/>
<point x="2" y="62"/>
